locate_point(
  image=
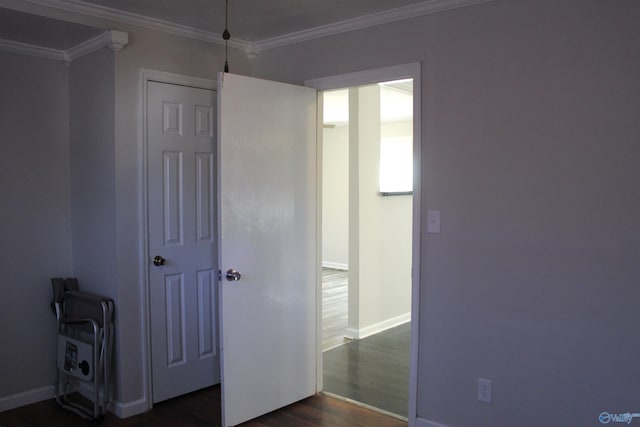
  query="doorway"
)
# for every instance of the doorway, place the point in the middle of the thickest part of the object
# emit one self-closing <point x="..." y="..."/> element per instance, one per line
<point x="410" y="70"/>
<point x="180" y="234"/>
<point x="367" y="202"/>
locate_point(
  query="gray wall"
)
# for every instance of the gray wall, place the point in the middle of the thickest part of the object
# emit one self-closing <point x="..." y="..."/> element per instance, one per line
<point x="102" y="190"/>
<point x="91" y="112"/>
<point x="35" y="233"/>
<point x="530" y="150"/>
<point x="530" y="137"/>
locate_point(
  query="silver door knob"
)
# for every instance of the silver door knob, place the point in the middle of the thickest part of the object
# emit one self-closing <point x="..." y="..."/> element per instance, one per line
<point x="158" y="261"/>
<point x="233" y="275"/>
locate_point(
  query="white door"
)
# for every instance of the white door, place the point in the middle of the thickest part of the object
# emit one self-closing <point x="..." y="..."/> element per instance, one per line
<point x="267" y="190"/>
<point x="182" y="235"/>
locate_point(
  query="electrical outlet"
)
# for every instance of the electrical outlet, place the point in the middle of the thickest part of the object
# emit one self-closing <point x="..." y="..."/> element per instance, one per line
<point x="484" y="390"/>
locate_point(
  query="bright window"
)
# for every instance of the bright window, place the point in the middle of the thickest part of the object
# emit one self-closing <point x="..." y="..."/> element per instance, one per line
<point x="396" y="165"/>
<point x="396" y="142"/>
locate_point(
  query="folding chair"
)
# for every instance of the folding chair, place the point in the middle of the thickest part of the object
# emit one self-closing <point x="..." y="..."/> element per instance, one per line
<point x="85" y="347"/>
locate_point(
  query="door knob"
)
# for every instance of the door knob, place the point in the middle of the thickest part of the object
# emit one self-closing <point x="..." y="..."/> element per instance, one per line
<point x="233" y="275"/>
<point x="158" y="261"/>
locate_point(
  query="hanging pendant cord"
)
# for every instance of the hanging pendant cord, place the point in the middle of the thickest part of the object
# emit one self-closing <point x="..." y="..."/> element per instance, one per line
<point x="226" y="36"/>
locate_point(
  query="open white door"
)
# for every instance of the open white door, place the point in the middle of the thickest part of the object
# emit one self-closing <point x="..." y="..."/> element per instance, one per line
<point x="267" y="197"/>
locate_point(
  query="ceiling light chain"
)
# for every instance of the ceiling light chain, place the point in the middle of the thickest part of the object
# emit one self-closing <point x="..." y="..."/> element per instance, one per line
<point x="226" y="36"/>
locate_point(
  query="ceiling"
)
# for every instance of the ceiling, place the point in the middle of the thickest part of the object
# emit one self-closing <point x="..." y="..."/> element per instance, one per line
<point x="256" y="24"/>
<point x="253" y="20"/>
<point x="40" y="31"/>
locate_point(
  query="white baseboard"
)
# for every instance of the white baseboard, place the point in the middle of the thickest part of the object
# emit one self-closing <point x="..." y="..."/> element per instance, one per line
<point x="421" y="422"/>
<point x="358" y="334"/>
<point x="121" y="410"/>
<point x="129" y="409"/>
<point x="351" y="334"/>
<point x="335" y="265"/>
<point x="26" y="398"/>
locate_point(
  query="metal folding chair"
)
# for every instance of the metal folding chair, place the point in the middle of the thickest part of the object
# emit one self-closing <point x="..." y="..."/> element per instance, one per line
<point x="85" y="348"/>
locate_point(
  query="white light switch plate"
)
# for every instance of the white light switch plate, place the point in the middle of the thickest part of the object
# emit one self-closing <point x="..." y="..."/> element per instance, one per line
<point x="433" y="221"/>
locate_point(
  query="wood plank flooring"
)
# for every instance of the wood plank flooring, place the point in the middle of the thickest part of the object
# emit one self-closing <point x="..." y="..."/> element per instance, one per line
<point x="202" y="408"/>
<point x="334" y="307"/>
<point x="373" y="370"/>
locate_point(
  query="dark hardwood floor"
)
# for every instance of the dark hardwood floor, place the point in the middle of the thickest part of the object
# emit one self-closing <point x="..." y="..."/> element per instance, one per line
<point x="373" y="370"/>
<point x="202" y="408"/>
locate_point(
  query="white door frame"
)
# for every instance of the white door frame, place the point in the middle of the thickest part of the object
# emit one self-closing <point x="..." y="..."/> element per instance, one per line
<point x="361" y="78"/>
<point x="147" y="75"/>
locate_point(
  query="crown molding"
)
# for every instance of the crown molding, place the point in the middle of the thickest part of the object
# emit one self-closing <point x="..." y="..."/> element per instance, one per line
<point x="398" y="14"/>
<point x="111" y="14"/>
<point x="117" y="40"/>
<point x="31" y="50"/>
<point x="114" y="40"/>
<point x="252" y="49"/>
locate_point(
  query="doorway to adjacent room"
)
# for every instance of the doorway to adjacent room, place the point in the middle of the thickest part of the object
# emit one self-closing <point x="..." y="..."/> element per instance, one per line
<point x="367" y="181"/>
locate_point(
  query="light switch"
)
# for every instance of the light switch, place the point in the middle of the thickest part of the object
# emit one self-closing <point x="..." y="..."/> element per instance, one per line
<point x="433" y="221"/>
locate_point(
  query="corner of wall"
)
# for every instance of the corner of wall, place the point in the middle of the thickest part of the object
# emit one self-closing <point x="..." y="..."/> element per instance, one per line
<point x="129" y="409"/>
